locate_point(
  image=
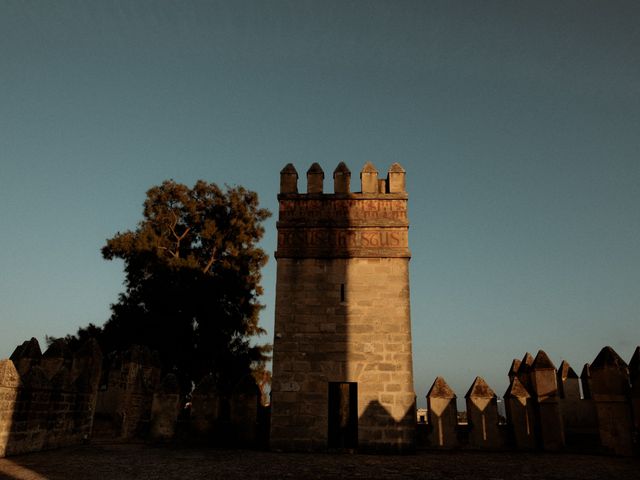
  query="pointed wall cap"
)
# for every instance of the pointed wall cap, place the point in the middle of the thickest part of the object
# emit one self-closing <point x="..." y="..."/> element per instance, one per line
<point x="342" y="168"/>
<point x="341" y="179"/>
<point x="586" y="371"/>
<point x="315" y="178"/>
<point x="28" y="349"/>
<point x="480" y="389"/>
<point x="515" y="365"/>
<point x="542" y="361"/>
<point x="396" y="168"/>
<point x="440" y="389"/>
<point x="395" y="182"/>
<point x="517" y="389"/>
<point x="608" y="358"/>
<point x="369" y="168"/>
<point x="525" y="363"/>
<point x="565" y="371"/>
<point x="315" y="169"/>
<point x="635" y="359"/>
<point x="289" y="179"/>
<point x="289" y="169"/>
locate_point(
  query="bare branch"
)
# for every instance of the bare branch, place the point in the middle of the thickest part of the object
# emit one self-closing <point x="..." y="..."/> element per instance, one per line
<point x="173" y="254"/>
<point x="211" y="260"/>
<point x="178" y="238"/>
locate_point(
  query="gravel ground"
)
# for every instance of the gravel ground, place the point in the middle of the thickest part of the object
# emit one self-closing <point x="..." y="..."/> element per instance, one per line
<point x="139" y="461"/>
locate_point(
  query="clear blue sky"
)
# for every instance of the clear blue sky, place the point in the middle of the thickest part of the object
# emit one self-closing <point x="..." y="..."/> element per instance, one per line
<point x="518" y="124"/>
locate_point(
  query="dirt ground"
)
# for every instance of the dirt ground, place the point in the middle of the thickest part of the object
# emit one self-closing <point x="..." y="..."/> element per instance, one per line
<point x="139" y="461"/>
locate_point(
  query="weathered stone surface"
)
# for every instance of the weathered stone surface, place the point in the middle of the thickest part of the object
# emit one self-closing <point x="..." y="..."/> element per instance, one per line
<point x="165" y="409"/>
<point x="126" y="399"/>
<point x="55" y="357"/>
<point x="545" y="392"/>
<point x="369" y="178"/>
<point x="610" y="390"/>
<point x="342" y="179"/>
<point x="26" y="355"/>
<point x="442" y="415"/>
<point x="578" y="415"/>
<point x="204" y="407"/>
<point x="513" y="370"/>
<point x="396" y="179"/>
<point x="568" y="382"/>
<point x="585" y="382"/>
<point x="289" y="179"/>
<point x="9" y="376"/>
<point x="524" y="371"/>
<point x="520" y="415"/>
<point x="39" y="411"/>
<point x="315" y="178"/>
<point x="342" y="315"/>
<point x="482" y="416"/>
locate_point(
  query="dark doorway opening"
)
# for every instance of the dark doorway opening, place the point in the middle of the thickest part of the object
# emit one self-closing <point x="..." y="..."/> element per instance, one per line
<point x="343" y="415"/>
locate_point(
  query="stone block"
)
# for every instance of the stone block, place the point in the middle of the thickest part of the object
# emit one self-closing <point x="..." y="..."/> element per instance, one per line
<point x="396" y="179"/>
<point x="610" y="390"/>
<point x="482" y="416"/>
<point x="315" y="178"/>
<point x="289" y="179"/>
<point x="520" y="412"/>
<point x="442" y="414"/>
<point x="341" y="179"/>
<point x="369" y="178"/>
<point x="544" y="386"/>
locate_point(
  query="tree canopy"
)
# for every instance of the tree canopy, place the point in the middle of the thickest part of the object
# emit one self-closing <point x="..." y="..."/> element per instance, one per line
<point x="192" y="282"/>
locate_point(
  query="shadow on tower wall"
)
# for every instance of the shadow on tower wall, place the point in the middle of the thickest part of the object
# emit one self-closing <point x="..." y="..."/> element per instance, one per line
<point x="342" y="349"/>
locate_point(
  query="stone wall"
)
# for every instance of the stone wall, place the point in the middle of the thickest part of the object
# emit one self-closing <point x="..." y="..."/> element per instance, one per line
<point x="545" y="409"/>
<point x="47" y="401"/>
<point x="126" y="396"/>
<point x="134" y="401"/>
<point x="226" y="419"/>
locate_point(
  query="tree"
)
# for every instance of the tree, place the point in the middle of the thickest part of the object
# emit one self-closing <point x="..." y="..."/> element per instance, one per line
<point x="192" y="282"/>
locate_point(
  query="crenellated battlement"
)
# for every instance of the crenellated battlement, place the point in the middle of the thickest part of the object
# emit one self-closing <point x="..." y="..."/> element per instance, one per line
<point x="343" y="224"/>
<point x="370" y="184"/>
<point x="543" y="407"/>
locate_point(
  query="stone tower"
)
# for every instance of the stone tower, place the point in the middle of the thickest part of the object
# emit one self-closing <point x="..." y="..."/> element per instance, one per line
<point x="342" y="365"/>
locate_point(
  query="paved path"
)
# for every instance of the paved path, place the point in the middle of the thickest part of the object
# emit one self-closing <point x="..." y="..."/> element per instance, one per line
<point x="138" y="461"/>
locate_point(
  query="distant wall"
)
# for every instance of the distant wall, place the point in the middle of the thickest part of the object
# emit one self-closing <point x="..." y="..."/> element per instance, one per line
<point x="546" y="409"/>
<point x="47" y="401"/>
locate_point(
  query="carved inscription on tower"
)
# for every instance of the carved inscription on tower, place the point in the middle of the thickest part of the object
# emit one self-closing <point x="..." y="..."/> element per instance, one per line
<point x="352" y="226"/>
